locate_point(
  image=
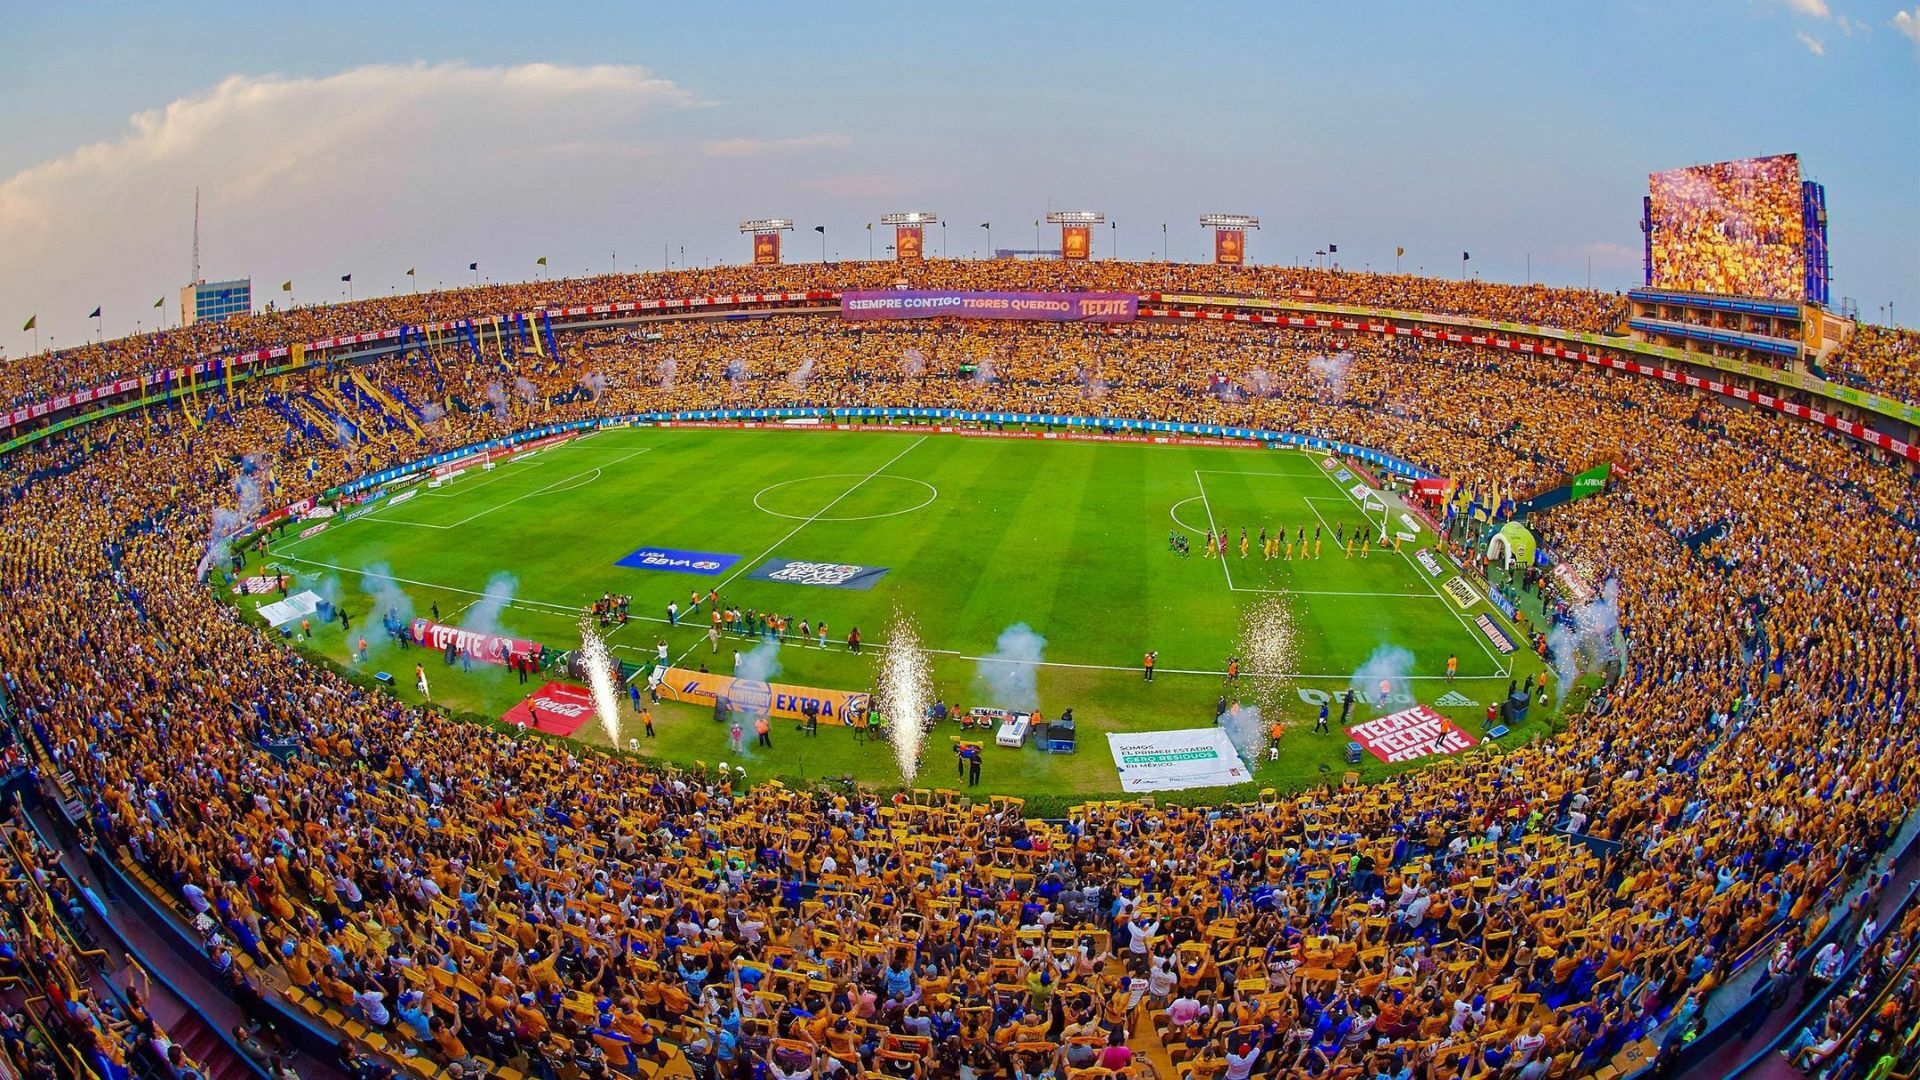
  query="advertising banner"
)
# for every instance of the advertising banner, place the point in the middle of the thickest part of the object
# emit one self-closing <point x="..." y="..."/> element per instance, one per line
<point x="754" y="697"/>
<point x="1076" y="242"/>
<point x="1462" y="594"/>
<point x="1591" y="482"/>
<point x="829" y="575"/>
<point x="1410" y="734"/>
<point x="1229" y="247"/>
<point x="1024" y="306"/>
<point x="490" y="648"/>
<point x="906" y="243"/>
<point x="556" y="708"/>
<point x="1492" y="632"/>
<point x="1175" y="760"/>
<point x="675" y="561"/>
<point x="766" y="249"/>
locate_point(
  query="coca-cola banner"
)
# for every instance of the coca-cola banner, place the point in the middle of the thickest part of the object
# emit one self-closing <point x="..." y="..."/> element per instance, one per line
<point x="1025" y="306"/>
<point x="491" y="648"/>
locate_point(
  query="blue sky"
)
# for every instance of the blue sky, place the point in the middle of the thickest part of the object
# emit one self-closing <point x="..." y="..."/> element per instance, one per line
<point x="366" y="138"/>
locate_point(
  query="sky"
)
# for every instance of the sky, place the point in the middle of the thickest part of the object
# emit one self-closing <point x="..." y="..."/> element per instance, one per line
<point x="364" y="139"/>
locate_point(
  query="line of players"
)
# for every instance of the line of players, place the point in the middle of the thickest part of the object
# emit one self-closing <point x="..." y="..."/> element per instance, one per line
<point x="1277" y="546"/>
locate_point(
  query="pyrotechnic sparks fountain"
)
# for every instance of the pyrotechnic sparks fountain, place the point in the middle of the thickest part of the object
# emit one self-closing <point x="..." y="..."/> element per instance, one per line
<point x="1267" y="656"/>
<point x="599" y="665"/>
<point x="905" y="691"/>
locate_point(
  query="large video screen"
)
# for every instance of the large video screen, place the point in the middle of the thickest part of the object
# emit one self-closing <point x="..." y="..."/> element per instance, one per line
<point x="1729" y="227"/>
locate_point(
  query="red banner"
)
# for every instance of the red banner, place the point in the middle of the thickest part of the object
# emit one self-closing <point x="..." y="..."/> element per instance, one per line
<point x="766" y="249"/>
<point x="491" y="648"/>
<point x="1229" y="247"/>
<point x="1076" y="242"/>
<point x="557" y="708"/>
<point x="1410" y="734"/>
<point x="906" y="243"/>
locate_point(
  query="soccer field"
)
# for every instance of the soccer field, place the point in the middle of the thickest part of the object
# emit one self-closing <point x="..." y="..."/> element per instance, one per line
<point x="974" y="535"/>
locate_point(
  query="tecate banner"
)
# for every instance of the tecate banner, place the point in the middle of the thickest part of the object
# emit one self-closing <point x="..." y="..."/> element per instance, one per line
<point x="1027" y="306"/>
<point x="491" y="648"/>
<point x="1410" y="734"/>
<point x="830" y="575"/>
<point x="673" y="560"/>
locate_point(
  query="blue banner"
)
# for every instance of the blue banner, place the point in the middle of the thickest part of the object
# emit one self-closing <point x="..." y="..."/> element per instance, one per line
<point x="674" y="561"/>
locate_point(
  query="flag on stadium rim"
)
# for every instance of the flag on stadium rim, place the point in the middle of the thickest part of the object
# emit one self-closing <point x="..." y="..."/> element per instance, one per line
<point x="287" y="285"/>
<point x="473" y="266"/>
<point x="1399" y="251"/>
<point x="346" y="277"/>
<point x="32" y="321"/>
<point x="409" y="271"/>
<point x="541" y="261"/>
<point x="160" y="301"/>
<point x="1333" y="249"/>
<point x="95" y="314"/>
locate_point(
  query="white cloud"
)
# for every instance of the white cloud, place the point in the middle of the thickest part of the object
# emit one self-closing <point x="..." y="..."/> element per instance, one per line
<point x="1908" y="23"/>
<point x="1812" y="43"/>
<point x="1816" y="9"/>
<point x="744" y="148"/>
<point x="312" y="177"/>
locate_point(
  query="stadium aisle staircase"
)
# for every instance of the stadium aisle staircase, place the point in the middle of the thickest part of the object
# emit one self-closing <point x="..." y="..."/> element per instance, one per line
<point x="385" y="403"/>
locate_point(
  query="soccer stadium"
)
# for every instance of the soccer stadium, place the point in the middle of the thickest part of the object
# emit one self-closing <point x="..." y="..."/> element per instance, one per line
<point x="1021" y="662"/>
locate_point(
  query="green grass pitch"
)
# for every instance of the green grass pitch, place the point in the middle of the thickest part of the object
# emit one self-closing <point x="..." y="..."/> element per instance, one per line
<point x="977" y="534"/>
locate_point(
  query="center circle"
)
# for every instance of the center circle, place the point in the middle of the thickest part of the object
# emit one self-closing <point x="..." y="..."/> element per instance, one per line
<point x="844" y="497"/>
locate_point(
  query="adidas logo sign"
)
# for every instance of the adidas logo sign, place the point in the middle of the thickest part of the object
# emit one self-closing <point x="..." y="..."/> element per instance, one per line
<point x="1454" y="699"/>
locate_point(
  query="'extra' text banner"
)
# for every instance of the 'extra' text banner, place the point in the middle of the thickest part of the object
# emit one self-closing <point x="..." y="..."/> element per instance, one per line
<point x="1172" y="760"/>
<point x="491" y="648"/>
<point x="1026" y="306"/>
<point x="755" y="697"/>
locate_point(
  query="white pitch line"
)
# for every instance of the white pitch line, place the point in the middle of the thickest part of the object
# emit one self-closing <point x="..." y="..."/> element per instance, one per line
<point x="1452" y="609"/>
<point x="755" y="561"/>
<point x="547" y="608"/>
<point x="1213" y="527"/>
<point x="548" y="489"/>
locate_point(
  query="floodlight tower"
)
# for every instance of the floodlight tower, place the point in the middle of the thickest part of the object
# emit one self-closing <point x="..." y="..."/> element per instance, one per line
<point x="1229" y="236"/>
<point x="909" y="232"/>
<point x="1076" y="232"/>
<point x="766" y="238"/>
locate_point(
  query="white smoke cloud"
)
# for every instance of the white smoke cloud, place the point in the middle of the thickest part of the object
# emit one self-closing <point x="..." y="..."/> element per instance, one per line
<point x="799" y="376"/>
<point x="227" y="521"/>
<point x="1384" y="677"/>
<point x="385" y="594"/>
<point x="665" y="370"/>
<point x="1009" y="676"/>
<point x="484" y="616"/>
<point x="913" y="363"/>
<point x="1586" y="645"/>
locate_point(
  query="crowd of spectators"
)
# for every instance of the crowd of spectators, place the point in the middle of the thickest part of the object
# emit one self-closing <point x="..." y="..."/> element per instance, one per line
<point x="501" y="903"/>
<point x="37" y="378"/>
<point x="1883" y="359"/>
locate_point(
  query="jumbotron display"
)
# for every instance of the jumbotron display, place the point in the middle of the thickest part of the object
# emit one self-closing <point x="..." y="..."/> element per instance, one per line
<point x="1731" y="227"/>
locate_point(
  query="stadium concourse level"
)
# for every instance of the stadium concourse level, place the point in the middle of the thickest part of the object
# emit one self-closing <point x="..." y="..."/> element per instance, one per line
<point x="459" y="899"/>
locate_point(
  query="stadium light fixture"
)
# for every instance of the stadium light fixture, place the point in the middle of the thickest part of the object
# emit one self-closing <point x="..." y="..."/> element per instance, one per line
<point x="910" y="217"/>
<point x="1076" y="217"/>
<point x="772" y="224"/>
<point x="1237" y="222"/>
